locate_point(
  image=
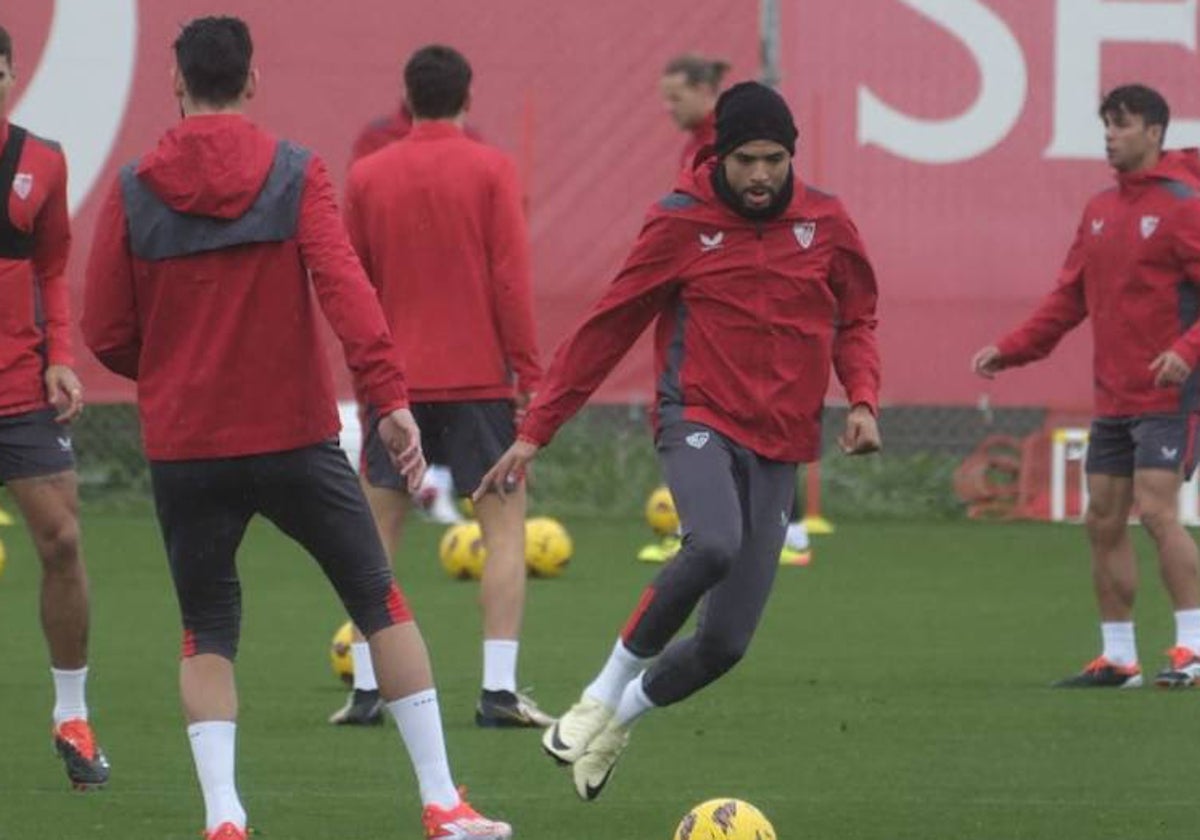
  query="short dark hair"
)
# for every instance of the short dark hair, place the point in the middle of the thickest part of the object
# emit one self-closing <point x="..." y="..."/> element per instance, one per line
<point x="1138" y="100"/>
<point x="437" y="79"/>
<point x="698" y="70"/>
<point x="6" y="45"/>
<point x="213" y="54"/>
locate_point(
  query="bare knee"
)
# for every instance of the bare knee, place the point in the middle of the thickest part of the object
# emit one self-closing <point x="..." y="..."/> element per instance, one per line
<point x="1160" y="521"/>
<point x="58" y="546"/>
<point x="1105" y="527"/>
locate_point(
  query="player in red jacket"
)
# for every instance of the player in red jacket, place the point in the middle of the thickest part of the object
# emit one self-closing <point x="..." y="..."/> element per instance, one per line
<point x="39" y="395"/>
<point x="689" y="86"/>
<point x="436" y="219"/>
<point x="758" y="283"/>
<point x="200" y="288"/>
<point x="1133" y="268"/>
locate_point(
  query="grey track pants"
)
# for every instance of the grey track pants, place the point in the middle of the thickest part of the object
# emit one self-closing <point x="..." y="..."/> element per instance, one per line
<point x="734" y="508"/>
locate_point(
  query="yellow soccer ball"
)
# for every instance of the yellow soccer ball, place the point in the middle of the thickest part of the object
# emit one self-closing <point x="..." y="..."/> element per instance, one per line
<point x="724" y="819"/>
<point x="461" y="551"/>
<point x="339" y="653"/>
<point x="660" y="512"/>
<point x="548" y="547"/>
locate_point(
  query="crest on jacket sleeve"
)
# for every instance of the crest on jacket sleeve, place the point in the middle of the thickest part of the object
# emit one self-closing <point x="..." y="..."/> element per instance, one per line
<point x="804" y="233"/>
<point x="1149" y="225"/>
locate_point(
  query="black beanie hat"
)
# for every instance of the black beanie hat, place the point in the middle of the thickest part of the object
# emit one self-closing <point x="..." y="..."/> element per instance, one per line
<point x="751" y="111"/>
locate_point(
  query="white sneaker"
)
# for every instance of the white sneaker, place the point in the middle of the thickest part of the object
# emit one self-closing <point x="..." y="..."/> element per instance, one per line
<point x="565" y="740"/>
<point x="594" y="768"/>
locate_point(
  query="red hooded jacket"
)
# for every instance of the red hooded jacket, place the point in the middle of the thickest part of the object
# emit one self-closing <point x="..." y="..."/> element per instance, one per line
<point x="750" y="316"/>
<point x="436" y="219"/>
<point x="200" y="284"/>
<point x="1133" y="267"/>
<point x="29" y="339"/>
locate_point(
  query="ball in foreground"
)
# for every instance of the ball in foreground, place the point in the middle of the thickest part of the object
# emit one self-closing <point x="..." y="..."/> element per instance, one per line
<point x="339" y="653"/>
<point x="660" y="512"/>
<point x="548" y="547"/>
<point x="724" y="819"/>
<point x="461" y="551"/>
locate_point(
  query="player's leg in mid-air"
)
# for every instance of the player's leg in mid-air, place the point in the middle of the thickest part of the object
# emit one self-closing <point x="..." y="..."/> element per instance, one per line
<point x="37" y="466"/>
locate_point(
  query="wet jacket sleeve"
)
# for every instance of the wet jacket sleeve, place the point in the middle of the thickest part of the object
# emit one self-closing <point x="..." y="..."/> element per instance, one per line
<point x="1059" y="312"/>
<point x="508" y="260"/>
<point x="52" y="243"/>
<point x="1187" y="251"/>
<point x="346" y="296"/>
<point x="110" y="319"/>
<point x="640" y="291"/>
<point x="855" y="348"/>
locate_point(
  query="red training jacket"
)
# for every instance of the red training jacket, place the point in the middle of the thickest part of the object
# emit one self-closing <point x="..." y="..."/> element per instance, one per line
<point x="383" y="131"/>
<point x="37" y="207"/>
<point x="750" y="316"/>
<point x="1133" y="267"/>
<point x="436" y="220"/>
<point x="200" y="287"/>
<point x="700" y="137"/>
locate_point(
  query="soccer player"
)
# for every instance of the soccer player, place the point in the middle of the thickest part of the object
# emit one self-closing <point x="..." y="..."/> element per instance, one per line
<point x="39" y="395"/>
<point x="758" y="283"/>
<point x="199" y="288"/>
<point x="1133" y="267"/>
<point x="436" y="219"/>
<point x="689" y="85"/>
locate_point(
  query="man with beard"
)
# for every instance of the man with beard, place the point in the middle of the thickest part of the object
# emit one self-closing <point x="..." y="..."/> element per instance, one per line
<point x="758" y="283"/>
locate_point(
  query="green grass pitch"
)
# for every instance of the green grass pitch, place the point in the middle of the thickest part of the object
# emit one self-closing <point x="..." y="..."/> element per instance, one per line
<point x="897" y="689"/>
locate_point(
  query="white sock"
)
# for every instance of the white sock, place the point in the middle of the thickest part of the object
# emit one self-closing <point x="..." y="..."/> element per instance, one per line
<point x="364" y="668"/>
<point x="1187" y="629"/>
<point x="621" y="667"/>
<point x="213" y="747"/>
<point x="69" y="694"/>
<point x="500" y="664"/>
<point x="1119" y="645"/>
<point x="634" y="702"/>
<point x="420" y="723"/>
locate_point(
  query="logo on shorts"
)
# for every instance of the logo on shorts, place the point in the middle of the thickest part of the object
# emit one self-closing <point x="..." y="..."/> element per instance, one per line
<point x="783" y="518"/>
<point x="64" y="443"/>
<point x="1097" y="227"/>
<point x="23" y="184"/>
<point x="696" y="440"/>
<point x="1149" y="225"/>
<point x="1170" y="452"/>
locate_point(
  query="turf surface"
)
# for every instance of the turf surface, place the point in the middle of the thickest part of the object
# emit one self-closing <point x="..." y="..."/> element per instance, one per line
<point x="897" y="689"/>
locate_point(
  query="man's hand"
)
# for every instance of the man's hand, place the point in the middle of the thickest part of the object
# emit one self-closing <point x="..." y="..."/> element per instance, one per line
<point x="64" y="392"/>
<point x="862" y="432"/>
<point x="507" y="473"/>
<point x="986" y="362"/>
<point x="400" y="435"/>
<point x="1169" y="370"/>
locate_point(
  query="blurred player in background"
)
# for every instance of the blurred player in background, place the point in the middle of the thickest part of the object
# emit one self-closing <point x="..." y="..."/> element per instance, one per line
<point x="436" y="496"/>
<point x="690" y="85"/>
<point x="199" y="288"/>
<point x="39" y="395"/>
<point x="758" y="284"/>
<point x="1133" y="268"/>
<point x="437" y="221"/>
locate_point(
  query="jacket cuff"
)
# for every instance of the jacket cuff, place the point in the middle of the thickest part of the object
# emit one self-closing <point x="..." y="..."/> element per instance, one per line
<point x="389" y="397"/>
<point x="863" y="395"/>
<point x="1186" y="351"/>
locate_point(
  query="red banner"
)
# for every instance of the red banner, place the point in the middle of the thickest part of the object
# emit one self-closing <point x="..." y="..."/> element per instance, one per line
<point x="961" y="134"/>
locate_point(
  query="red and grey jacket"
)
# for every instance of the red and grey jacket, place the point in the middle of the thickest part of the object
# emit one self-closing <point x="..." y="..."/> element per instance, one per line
<point x="750" y="318"/>
<point x="1134" y="268"/>
<point x="436" y="219"/>
<point x="200" y="287"/>
<point x="35" y="238"/>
